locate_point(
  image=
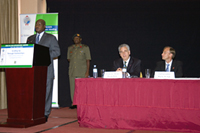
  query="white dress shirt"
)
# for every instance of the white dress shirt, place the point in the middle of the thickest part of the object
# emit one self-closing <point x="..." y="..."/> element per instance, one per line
<point x="41" y="34"/>
<point x="170" y="64"/>
<point x="126" y="62"/>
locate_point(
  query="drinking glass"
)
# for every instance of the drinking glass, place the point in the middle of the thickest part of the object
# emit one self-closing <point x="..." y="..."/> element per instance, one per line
<point x="147" y="73"/>
<point x="102" y="72"/>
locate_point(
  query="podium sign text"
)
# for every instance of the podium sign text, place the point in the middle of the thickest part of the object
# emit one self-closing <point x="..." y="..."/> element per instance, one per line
<point x="113" y="74"/>
<point x="16" y="55"/>
<point x="164" y="75"/>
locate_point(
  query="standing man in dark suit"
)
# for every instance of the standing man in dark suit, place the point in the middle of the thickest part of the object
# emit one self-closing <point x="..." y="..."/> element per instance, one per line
<point x="51" y="42"/>
<point x="168" y="64"/>
<point x="133" y="64"/>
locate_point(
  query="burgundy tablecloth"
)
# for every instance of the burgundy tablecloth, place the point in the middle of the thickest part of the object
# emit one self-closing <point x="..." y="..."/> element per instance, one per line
<point x="142" y="104"/>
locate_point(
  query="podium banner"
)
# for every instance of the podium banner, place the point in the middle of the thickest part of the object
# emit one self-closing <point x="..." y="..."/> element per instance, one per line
<point x="27" y="28"/>
<point x="16" y="55"/>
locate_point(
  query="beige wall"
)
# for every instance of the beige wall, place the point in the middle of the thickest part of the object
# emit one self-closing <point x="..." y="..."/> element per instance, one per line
<point x="32" y="6"/>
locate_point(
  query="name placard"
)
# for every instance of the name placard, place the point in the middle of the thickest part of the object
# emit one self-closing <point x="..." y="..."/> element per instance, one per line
<point x="113" y="74"/>
<point x="16" y="55"/>
<point x="164" y="75"/>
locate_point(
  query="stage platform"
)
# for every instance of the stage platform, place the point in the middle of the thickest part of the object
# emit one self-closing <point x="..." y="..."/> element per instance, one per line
<point x="63" y="120"/>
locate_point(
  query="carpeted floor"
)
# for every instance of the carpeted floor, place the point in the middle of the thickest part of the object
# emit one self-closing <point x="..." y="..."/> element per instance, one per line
<point x="62" y="120"/>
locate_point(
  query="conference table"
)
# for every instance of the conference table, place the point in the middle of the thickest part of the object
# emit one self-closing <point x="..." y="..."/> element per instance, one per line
<point x="138" y="104"/>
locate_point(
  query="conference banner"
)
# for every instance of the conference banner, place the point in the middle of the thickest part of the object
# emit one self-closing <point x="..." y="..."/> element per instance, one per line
<point x="27" y="28"/>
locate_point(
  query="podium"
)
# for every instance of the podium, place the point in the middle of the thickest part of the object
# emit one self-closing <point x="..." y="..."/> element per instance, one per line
<point x="26" y="91"/>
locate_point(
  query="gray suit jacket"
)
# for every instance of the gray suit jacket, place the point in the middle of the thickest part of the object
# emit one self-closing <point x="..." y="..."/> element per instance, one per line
<point x="51" y="42"/>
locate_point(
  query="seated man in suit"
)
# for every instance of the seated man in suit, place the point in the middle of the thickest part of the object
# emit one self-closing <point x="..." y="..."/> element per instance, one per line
<point x="133" y="64"/>
<point x="168" y="64"/>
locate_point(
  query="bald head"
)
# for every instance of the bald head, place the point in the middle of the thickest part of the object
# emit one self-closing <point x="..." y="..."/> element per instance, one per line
<point x="41" y="21"/>
<point x="40" y="26"/>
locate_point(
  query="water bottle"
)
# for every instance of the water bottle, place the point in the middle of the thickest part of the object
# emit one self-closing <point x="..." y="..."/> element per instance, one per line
<point x="95" y="72"/>
<point x="124" y="69"/>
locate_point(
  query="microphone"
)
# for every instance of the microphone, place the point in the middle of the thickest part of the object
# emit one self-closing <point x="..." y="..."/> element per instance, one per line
<point x="29" y="41"/>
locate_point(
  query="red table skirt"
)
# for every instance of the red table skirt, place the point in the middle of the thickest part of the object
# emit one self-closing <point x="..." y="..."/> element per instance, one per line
<point x="138" y="104"/>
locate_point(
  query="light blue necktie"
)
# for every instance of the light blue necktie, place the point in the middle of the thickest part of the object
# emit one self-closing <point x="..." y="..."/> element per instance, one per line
<point x="37" y="39"/>
<point x="167" y="69"/>
<point x="125" y="64"/>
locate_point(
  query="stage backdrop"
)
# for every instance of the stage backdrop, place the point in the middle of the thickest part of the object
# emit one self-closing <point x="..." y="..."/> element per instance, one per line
<point x="27" y="25"/>
<point x="146" y="25"/>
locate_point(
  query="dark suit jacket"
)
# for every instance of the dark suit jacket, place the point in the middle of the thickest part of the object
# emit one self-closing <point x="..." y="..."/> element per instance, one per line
<point x="176" y="67"/>
<point x="133" y="66"/>
<point x="51" y="42"/>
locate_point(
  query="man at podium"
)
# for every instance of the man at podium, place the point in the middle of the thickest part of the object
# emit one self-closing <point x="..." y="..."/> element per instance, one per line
<point x="51" y="42"/>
